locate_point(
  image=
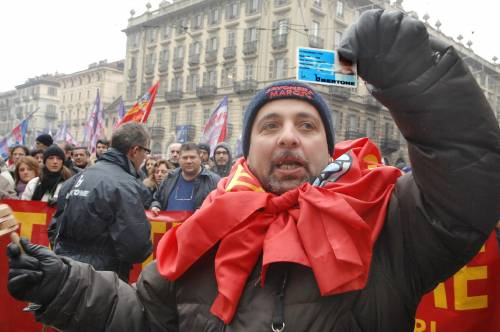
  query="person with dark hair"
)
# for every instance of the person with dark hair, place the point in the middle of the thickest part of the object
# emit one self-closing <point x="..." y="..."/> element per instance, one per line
<point x="43" y="141"/>
<point x="158" y="173"/>
<point x="26" y="169"/>
<point x="38" y="155"/>
<point x="100" y="218"/>
<point x="223" y="160"/>
<point x="185" y="189"/>
<point x="305" y="234"/>
<point x="101" y="146"/>
<point x="68" y="152"/>
<point x="205" y="155"/>
<point x="81" y="157"/>
<point x="16" y="152"/>
<point x="46" y="187"/>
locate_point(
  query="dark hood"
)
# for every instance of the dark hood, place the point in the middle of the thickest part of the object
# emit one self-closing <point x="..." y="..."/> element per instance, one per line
<point x="116" y="157"/>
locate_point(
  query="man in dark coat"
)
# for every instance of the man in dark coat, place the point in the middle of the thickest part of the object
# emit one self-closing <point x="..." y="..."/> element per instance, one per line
<point x="100" y="218"/>
<point x="223" y="160"/>
<point x="305" y="235"/>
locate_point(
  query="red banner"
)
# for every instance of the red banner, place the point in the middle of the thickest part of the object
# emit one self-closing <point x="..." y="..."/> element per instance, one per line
<point x="35" y="218"/>
<point x="467" y="302"/>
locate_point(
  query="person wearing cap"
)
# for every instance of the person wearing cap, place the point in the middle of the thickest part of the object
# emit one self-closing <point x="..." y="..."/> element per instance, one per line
<point x="204" y="149"/>
<point x="223" y="160"/>
<point x="46" y="187"/>
<point x="43" y="141"/>
<point x="305" y="234"/>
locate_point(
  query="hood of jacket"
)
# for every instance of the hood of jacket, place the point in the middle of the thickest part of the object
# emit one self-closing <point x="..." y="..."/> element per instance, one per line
<point x="116" y="157"/>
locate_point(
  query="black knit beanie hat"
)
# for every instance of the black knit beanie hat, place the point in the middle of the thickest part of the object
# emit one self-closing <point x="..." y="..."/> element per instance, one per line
<point x="45" y="139"/>
<point x="287" y="90"/>
<point x="53" y="150"/>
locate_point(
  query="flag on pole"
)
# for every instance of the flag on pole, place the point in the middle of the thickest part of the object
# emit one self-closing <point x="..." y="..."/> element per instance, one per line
<point x="16" y="137"/>
<point x="121" y="109"/>
<point x="64" y="135"/>
<point x="141" y="109"/>
<point x="214" y="131"/>
<point x="94" y="128"/>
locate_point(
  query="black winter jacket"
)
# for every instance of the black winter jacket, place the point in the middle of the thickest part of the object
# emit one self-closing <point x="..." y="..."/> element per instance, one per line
<point x="205" y="183"/>
<point x="438" y="217"/>
<point x="101" y="217"/>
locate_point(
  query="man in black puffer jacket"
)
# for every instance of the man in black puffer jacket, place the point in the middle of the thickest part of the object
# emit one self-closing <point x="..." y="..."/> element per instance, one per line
<point x="250" y="259"/>
<point x="100" y="218"/>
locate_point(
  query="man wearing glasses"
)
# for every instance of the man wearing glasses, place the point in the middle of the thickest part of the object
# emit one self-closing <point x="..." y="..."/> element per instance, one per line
<point x="100" y="218"/>
<point x="185" y="189"/>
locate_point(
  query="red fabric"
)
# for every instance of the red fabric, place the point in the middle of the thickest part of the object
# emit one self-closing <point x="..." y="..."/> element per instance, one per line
<point x="330" y="229"/>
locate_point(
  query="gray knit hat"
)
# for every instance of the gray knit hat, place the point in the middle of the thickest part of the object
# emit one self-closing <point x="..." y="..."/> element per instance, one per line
<point x="287" y="90"/>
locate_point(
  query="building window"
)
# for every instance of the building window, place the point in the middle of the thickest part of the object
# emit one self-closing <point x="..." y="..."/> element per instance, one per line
<point x="197" y="22"/>
<point x="317" y="3"/>
<point x="315" y="28"/>
<point x="340" y="8"/>
<point x="252" y="6"/>
<point x="52" y="91"/>
<point x="228" y="75"/>
<point x="181" y="27"/>
<point x="210" y="77"/>
<point x="173" y="120"/>
<point x="251" y="34"/>
<point x="213" y="16"/>
<point x="179" y="52"/>
<point x="195" y="48"/>
<point x="206" y="115"/>
<point x="249" y="71"/>
<point x="189" y="115"/>
<point x="281" y="27"/>
<point x="231" y="38"/>
<point x="278" y="68"/>
<point x="166" y="31"/>
<point x="232" y="9"/>
<point x="212" y="44"/>
<point x="338" y="38"/>
<point x="370" y="128"/>
<point x="192" y="82"/>
<point x="353" y="123"/>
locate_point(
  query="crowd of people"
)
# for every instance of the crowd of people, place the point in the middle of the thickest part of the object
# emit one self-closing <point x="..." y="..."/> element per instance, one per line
<point x="301" y="234"/>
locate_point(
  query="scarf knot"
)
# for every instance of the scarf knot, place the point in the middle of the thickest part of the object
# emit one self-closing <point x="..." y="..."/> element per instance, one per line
<point x="283" y="202"/>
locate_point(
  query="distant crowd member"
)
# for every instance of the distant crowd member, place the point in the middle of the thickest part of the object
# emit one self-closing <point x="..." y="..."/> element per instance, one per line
<point x="186" y="187"/>
<point x="38" y="155"/>
<point x="68" y="153"/>
<point x="101" y="146"/>
<point x="159" y="172"/>
<point x="148" y="166"/>
<point x="43" y="141"/>
<point x="174" y="150"/>
<point x="46" y="187"/>
<point x="222" y="159"/>
<point x="15" y="153"/>
<point x="205" y="155"/>
<point x="26" y="169"/>
<point x="100" y="217"/>
<point x="81" y="157"/>
<point x="6" y="189"/>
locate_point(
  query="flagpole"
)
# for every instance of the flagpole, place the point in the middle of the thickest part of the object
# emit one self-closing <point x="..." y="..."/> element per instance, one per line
<point x="25" y="119"/>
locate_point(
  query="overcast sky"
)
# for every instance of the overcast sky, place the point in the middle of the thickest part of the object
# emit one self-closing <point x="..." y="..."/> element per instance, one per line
<point x="45" y="36"/>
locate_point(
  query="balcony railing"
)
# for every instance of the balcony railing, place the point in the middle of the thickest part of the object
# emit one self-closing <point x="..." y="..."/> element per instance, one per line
<point x="229" y="52"/>
<point x="389" y="145"/>
<point x="250" y="47"/>
<point x="340" y="92"/>
<point x="178" y="63"/>
<point x="194" y="59"/>
<point x="173" y="95"/>
<point x="353" y="134"/>
<point x="206" y="91"/>
<point x="211" y="56"/>
<point x="245" y="86"/>
<point x="157" y="132"/>
<point x="316" y="41"/>
<point x="279" y="41"/>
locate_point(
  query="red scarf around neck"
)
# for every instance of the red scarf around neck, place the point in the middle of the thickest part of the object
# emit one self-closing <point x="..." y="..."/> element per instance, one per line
<point x="330" y="229"/>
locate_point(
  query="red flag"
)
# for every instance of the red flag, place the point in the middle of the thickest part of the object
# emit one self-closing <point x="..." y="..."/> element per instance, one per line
<point x="141" y="109"/>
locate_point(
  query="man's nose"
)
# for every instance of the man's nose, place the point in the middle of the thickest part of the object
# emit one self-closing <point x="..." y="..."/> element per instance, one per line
<point x="288" y="137"/>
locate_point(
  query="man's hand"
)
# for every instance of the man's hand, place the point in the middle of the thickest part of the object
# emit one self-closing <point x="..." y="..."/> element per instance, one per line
<point x="390" y="47"/>
<point x="35" y="275"/>
<point x="155" y="211"/>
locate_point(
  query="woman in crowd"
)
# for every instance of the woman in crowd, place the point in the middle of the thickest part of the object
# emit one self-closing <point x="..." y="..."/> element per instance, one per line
<point x="26" y="169"/>
<point x="148" y="166"/>
<point x="160" y="170"/>
<point x="46" y="187"/>
<point x="38" y="155"/>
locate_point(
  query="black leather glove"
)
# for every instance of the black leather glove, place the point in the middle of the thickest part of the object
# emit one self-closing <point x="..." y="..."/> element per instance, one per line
<point x="390" y="47"/>
<point x="35" y="275"/>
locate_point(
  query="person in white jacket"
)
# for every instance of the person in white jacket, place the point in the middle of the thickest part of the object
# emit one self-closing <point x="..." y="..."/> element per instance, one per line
<point x="46" y="187"/>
